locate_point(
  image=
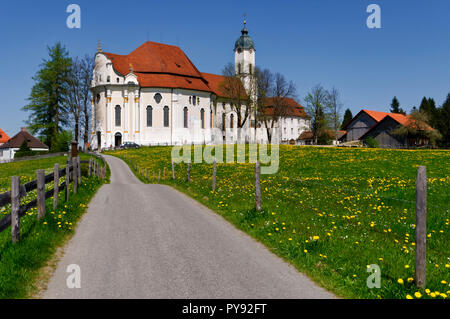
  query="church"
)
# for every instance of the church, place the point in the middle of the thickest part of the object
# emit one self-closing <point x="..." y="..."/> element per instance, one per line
<point x="156" y="96"/>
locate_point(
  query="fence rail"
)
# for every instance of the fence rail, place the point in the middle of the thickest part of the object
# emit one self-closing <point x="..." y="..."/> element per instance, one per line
<point x="72" y="172"/>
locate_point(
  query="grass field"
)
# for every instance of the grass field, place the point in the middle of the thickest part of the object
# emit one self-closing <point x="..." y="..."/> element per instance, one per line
<point x="21" y="264"/>
<point x="332" y="212"/>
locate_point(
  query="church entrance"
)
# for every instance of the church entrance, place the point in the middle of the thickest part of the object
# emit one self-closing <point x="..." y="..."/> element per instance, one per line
<point x="99" y="140"/>
<point x="117" y="139"/>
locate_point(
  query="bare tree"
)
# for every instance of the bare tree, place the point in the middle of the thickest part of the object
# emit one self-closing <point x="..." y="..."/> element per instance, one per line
<point x="334" y="109"/>
<point x="87" y="65"/>
<point x="272" y="92"/>
<point x="232" y="89"/>
<point x="316" y="101"/>
<point x="78" y="99"/>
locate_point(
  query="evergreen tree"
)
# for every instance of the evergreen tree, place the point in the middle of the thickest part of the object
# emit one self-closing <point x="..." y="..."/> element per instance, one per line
<point x="428" y="106"/>
<point x="442" y="122"/>
<point x="348" y="116"/>
<point x="47" y="107"/>
<point x="395" y="106"/>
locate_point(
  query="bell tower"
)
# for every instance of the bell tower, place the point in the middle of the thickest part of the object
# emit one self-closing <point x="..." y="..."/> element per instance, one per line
<point x="244" y="56"/>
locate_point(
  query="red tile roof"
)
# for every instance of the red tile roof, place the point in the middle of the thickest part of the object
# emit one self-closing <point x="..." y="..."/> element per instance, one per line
<point x="3" y="137"/>
<point x="402" y="119"/>
<point x="17" y="140"/>
<point x="293" y="107"/>
<point x="160" y="65"/>
<point x="215" y="83"/>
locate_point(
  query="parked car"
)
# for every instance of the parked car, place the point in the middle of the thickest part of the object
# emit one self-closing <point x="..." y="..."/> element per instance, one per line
<point x="129" y="145"/>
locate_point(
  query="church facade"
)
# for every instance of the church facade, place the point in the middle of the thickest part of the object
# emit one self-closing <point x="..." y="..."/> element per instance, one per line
<point x="156" y="96"/>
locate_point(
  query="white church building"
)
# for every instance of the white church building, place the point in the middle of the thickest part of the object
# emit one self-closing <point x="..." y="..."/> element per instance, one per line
<point x="155" y="96"/>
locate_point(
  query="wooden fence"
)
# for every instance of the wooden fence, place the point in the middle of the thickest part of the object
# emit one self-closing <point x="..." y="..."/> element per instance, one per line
<point x="72" y="172"/>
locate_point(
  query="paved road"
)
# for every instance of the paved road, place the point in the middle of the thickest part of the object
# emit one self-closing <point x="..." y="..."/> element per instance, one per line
<point x="151" y="241"/>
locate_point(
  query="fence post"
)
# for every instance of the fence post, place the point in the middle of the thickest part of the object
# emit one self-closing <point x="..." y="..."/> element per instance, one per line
<point x="74" y="175"/>
<point x="15" y="205"/>
<point x="164" y="173"/>
<point x="153" y="180"/>
<point x="55" y="186"/>
<point x="90" y="167"/>
<point x="67" y="180"/>
<point x="40" y="193"/>
<point x="189" y="171"/>
<point x="159" y="175"/>
<point x="173" y="170"/>
<point x="214" y="175"/>
<point x="257" y="186"/>
<point x="79" y="169"/>
<point x="421" y="226"/>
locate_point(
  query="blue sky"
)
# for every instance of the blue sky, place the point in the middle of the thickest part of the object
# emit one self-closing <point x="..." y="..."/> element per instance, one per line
<point x="310" y="42"/>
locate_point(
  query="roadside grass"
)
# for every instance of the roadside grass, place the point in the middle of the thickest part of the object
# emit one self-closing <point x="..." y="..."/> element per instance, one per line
<point x="21" y="263"/>
<point x="331" y="212"/>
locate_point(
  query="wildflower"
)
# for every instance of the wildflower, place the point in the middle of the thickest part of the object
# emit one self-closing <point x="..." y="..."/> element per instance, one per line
<point x="400" y="281"/>
<point x="418" y="294"/>
<point x="409" y="297"/>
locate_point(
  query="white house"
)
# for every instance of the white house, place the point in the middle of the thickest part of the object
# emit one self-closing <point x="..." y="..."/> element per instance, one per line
<point x="8" y="149"/>
<point x="156" y="95"/>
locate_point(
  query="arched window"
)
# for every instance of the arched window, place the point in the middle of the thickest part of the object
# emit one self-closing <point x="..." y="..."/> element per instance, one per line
<point x="118" y="115"/>
<point x="211" y="119"/>
<point x="239" y="68"/>
<point x="108" y="79"/>
<point x="117" y="80"/>
<point x="194" y="100"/>
<point x="223" y="121"/>
<point x="185" y="117"/>
<point x="166" y="116"/>
<point x="202" y="117"/>
<point x="231" y="120"/>
<point x="250" y="69"/>
<point x="149" y="116"/>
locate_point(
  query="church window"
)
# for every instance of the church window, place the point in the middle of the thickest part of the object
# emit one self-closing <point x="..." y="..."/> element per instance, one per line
<point x="149" y="116"/>
<point x="158" y="97"/>
<point x="118" y="115"/>
<point x="185" y="117"/>
<point x="250" y="68"/>
<point x="231" y="120"/>
<point x="117" y="80"/>
<point x="108" y="79"/>
<point x="198" y="100"/>
<point x="166" y="116"/>
<point x="211" y="119"/>
<point x="223" y="121"/>
<point x="190" y="100"/>
<point x="239" y="68"/>
<point x="194" y="100"/>
<point x="202" y="117"/>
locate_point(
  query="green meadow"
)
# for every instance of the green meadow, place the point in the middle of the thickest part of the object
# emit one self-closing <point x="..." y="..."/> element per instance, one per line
<point x="331" y="212"/>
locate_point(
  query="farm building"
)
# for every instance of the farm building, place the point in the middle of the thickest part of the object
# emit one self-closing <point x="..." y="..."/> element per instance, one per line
<point x="362" y="123"/>
<point x="384" y="132"/>
<point x="307" y="138"/>
<point x="8" y="149"/>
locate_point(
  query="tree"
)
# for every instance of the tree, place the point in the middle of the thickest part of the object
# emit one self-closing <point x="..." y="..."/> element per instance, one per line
<point x="233" y="89"/>
<point x="428" y="106"/>
<point x="334" y="107"/>
<point x="78" y="97"/>
<point x="348" y="116"/>
<point x="315" y="106"/>
<point x="272" y="92"/>
<point x="395" y="106"/>
<point x="442" y="122"/>
<point x="48" y="112"/>
<point x="418" y="128"/>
